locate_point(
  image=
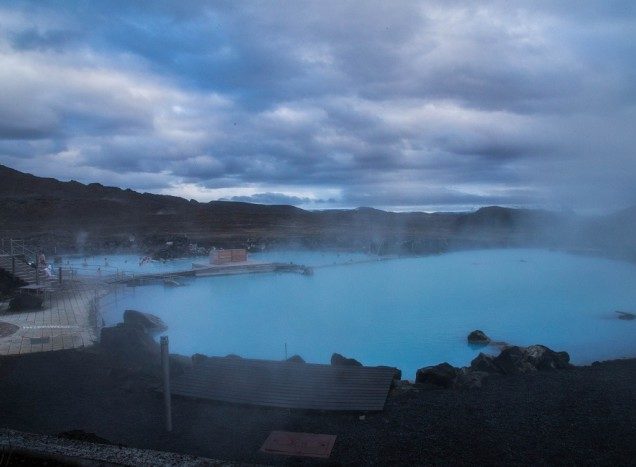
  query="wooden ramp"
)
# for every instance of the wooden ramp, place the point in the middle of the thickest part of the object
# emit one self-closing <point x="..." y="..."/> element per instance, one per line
<point x="286" y="384"/>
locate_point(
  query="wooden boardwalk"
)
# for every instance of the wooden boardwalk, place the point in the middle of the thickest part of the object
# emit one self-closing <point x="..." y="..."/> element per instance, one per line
<point x="66" y="321"/>
<point x="286" y="384"/>
<point x="216" y="270"/>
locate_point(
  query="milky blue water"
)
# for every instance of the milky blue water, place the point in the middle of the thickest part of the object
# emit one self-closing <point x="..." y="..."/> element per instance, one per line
<point x="407" y="312"/>
<point x="133" y="264"/>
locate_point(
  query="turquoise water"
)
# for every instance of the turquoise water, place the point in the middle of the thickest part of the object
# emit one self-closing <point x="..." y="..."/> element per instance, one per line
<point x="111" y="264"/>
<point x="407" y="313"/>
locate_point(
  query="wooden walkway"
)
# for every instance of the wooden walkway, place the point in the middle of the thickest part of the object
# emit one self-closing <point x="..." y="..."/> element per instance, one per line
<point x="286" y="384"/>
<point x="218" y="270"/>
<point x="66" y="321"/>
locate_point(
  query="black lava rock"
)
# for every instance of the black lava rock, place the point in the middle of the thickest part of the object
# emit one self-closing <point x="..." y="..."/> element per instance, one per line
<point x="339" y="360"/>
<point x="486" y="363"/>
<point x="148" y="322"/>
<point x="296" y="359"/>
<point x="440" y="375"/>
<point x="542" y="358"/>
<point x="625" y="315"/>
<point x="130" y="346"/>
<point x="512" y="360"/>
<point x="478" y="337"/>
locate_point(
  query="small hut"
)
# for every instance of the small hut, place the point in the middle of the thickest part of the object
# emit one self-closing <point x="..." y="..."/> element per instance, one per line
<point x="238" y="255"/>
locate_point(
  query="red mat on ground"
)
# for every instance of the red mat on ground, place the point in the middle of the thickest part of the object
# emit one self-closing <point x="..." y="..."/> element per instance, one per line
<point x="299" y="444"/>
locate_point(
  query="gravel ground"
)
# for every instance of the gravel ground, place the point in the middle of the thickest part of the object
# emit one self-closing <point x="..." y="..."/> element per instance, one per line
<point x="585" y="415"/>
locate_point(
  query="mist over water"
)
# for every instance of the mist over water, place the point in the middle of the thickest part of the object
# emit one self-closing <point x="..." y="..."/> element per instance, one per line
<point x="408" y="312"/>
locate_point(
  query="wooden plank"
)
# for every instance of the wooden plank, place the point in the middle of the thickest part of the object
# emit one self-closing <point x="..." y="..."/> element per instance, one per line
<point x="299" y="444"/>
<point x="286" y="384"/>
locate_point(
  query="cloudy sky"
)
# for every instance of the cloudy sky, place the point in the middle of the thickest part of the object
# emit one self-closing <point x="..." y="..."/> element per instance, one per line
<point x="435" y="105"/>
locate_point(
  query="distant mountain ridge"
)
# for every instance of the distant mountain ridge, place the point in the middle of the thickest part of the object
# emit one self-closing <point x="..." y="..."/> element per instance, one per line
<point x="75" y="216"/>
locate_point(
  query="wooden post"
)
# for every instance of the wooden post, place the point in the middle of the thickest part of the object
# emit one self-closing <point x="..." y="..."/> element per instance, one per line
<point x="59" y="274"/>
<point x="165" y="366"/>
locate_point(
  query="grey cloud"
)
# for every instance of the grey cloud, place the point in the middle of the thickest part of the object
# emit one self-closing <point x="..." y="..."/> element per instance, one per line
<point x="410" y="103"/>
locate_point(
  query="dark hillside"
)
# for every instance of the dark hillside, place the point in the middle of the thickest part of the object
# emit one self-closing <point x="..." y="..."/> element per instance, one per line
<point x="74" y="216"/>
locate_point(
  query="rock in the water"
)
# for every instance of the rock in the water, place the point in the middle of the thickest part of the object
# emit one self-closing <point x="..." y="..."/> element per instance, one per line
<point x="148" y="322"/>
<point x="542" y="358"/>
<point x="485" y="363"/>
<point x="26" y="301"/>
<point x="296" y="359"/>
<point x="478" y="337"/>
<point x="339" y="360"/>
<point x="512" y="360"/>
<point x="440" y="375"/>
<point x="626" y="315"/>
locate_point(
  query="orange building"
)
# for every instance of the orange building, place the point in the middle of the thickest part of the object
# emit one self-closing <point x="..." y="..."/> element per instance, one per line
<point x="228" y="256"/>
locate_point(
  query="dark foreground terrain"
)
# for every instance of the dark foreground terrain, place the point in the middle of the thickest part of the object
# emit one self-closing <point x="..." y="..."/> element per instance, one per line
<point x="583" y="415"/>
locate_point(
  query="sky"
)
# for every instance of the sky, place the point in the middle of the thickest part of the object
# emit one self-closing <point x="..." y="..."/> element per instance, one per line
<point x="403" y="105"/>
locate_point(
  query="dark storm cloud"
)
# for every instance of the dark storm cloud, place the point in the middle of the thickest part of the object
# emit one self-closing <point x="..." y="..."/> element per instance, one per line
<point x="377" y="103"/>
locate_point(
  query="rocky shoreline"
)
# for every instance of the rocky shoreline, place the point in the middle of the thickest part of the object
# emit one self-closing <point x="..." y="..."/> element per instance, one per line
<point x="531" y="407"/>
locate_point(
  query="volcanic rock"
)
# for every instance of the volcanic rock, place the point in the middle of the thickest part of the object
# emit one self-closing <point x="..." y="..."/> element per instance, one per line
<point x="25" y="301"/>
<point x="440" y="375"/>
<point x="296" y="359"/>
<point x="626" y="315"/>
<point x="130" y="346"/>
<point x="468" y="378"/>
<point x="485" y="363"/>
<point x="512" y="360"/>
<point x="478" y="337"/>
<point x="542" y="358"/>
<point x="148" y="322"/>
<point x="339" y="360"/>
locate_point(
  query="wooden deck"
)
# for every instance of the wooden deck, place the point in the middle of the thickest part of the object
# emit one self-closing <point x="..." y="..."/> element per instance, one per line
<point x="286" y="384"/>
<point x="215" y="270"/>
<point x="66" y="321"/>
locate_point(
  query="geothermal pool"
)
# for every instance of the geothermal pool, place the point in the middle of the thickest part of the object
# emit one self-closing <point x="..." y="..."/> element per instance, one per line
<point x="134" y="264"/>
<point x="408" y="312"/>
